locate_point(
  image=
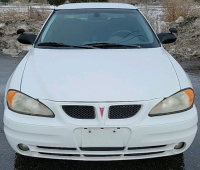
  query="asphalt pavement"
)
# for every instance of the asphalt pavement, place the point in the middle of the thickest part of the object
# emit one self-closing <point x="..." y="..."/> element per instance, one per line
<point x="9" y="160"/>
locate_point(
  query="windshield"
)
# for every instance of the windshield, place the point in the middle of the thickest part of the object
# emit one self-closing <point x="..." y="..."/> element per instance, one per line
<point x="89" y="27"/>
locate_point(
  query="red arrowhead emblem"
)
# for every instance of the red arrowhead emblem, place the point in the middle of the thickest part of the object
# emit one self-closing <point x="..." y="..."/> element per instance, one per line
<point x="101" y="110"/>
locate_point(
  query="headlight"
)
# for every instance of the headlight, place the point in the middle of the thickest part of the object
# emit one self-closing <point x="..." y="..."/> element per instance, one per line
<point x="178" y="102"/>
<point x="23" y="104"/>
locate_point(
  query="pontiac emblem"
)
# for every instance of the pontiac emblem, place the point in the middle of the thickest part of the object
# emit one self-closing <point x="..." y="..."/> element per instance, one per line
<point x="101" y="110"/>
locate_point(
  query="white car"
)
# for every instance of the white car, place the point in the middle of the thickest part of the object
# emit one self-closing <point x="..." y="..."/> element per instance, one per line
<point x="98" y="85"/>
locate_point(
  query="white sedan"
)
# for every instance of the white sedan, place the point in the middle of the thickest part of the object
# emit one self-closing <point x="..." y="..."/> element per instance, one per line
<point x="98" y="85"/>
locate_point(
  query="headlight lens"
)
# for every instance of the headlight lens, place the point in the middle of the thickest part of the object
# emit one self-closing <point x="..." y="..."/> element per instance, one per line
<point x="23" y="104"/>
<point x="178" y="102"/>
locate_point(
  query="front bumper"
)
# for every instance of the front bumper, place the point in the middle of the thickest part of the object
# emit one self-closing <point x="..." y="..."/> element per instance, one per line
<point x="56" y="138"/>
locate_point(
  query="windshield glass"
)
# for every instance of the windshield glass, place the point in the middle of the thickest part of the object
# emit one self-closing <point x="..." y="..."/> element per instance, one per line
<point x="93" y="26"/>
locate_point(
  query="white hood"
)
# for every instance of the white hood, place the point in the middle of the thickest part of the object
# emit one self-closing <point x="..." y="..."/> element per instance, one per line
<point x="99" y="75"/>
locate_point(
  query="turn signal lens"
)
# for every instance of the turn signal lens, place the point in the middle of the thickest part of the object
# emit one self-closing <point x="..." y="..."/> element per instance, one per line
<point x="178" y="102"/>
<point x="190" y="94"/>
<point x="10" y="96"/>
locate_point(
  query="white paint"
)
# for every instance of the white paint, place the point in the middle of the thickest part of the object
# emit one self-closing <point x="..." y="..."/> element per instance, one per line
<point x="95" y="5"/>
<point x="99" y="75"/>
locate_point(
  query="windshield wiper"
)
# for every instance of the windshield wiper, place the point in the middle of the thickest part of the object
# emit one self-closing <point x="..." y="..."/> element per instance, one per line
<point x="105" y="44"/>
<point x="55" y="44"/>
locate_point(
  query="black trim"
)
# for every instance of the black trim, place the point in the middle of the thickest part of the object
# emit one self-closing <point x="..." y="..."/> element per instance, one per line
<point x="146" y="147"/>
<point x="57" y="148"/>
<point x="23" y="113"/>
<point x="102" y="148"/>
<point x="101" y="155"/>
<point x="143" y="154"/>
<point x="169" y="113"/>
<point x="59" y="154"/>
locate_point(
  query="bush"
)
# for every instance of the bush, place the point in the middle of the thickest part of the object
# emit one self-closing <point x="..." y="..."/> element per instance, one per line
<point x="5" y="0"/>
<point x="78" y="1"/>
<point x="56" y="2"/>
<point x="176" y="8"/>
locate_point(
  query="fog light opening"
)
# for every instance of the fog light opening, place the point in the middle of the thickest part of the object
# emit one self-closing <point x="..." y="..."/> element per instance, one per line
<point x="179" y="145"/>
<point x="23" y="147"/>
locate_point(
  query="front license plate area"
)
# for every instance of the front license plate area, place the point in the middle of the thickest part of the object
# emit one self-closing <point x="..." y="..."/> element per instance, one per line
<point x="105" y="137"/>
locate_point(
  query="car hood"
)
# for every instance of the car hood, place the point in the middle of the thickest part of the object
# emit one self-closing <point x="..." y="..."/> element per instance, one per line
<point x="99" y="75"/>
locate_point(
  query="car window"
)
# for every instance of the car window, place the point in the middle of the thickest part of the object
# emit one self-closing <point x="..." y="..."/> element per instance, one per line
<point x="87" y="26"/>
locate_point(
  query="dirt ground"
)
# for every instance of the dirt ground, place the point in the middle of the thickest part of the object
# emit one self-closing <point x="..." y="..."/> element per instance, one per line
<point x="186" y="46"/>
<point x="188" y="39"/>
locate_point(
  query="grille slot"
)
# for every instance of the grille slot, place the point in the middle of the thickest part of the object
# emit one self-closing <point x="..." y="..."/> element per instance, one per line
<point x="57" y="148"/>
<point x="102" y="148"/>
<point x="59" y="154"/>
<point x="123" y="111"/>
<point x="143" y="154"/>
<point x="146" y="147"/>
<point x="101" y="155"/>
<point x="80" y="112"/>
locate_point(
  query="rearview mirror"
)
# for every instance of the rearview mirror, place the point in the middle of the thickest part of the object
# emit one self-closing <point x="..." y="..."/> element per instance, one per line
<point x="26" y="38"/>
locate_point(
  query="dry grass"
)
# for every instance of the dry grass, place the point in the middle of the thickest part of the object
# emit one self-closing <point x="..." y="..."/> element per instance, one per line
<point x="173" y="9"/>
<point x="40" y="14"/>
<point x="16" y="13"/>
<point x="126" y="1"/>
<point x="195" y="11"/>
<point x="132" y="1"/>
<point x="23" y="1"/>
<point x="135" y="1"/>
<point x="11" y="13"/>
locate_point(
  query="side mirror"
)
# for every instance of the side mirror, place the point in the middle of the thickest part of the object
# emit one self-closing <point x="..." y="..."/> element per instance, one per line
<point x="26" y="38"/>
<point x="166" y="38"/>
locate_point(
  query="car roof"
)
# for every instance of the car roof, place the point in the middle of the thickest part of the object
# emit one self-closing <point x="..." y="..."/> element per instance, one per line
<point x="95" y="5"/>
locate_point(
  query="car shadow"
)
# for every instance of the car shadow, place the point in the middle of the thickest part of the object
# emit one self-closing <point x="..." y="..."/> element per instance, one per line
<point x="175" y="162"/>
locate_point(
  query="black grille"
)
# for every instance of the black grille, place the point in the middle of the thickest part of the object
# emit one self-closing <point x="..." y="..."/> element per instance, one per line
<point x="59" y="154"/>
<point x="57" y="148"/>
<point x="123" y="111"/>
<point x="146" y="147"/>
<point x="102" y="148"/>
<point x="143" y="154"/>
<point x="101" y="155"/>
<point x="80" y="112"/>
